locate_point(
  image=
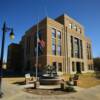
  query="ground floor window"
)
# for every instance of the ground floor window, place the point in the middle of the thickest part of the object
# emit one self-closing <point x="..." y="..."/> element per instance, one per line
<point x="73" y="66"/>
<point x="82" y="66"/>
<point x="90" y="67"/>
<point x="60" y="67"/>
<point x="55" y="65"/>
<point x="78" y="67"/>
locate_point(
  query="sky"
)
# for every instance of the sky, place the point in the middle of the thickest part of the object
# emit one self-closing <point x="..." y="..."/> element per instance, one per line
<point x="22" y="14"/>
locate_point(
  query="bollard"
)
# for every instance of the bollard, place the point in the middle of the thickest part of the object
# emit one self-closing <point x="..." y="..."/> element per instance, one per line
<point x="36" y="84"/>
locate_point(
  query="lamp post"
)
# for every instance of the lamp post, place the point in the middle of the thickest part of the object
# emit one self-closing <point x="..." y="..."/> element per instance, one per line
<point x="4" y="29"/>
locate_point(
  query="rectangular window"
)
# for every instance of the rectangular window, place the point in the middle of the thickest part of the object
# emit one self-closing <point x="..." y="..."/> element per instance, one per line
<point x="60" y="67"/>
<point x="89" y="56"/>
<point x="59" y="34"/>
<point x="59" y="50"/>
<point x="53" y="41"/>
<point x="79" y="30"/>
<point x="76" y="47"/>
<point x="53" y="49"/>
<point x="70" y="26"/>
<point x="92" y="67"/>
<point x="89" y="67"/>
<point x="59" y="42"/>
<point x="87" y="51"/>
<point x="81" y="48"/>
<point x="74" y="26"/>
<point x="82" y="66"/>
<point x="55" y="66"/>
<point x="73" y="67"/>
<point x="53" y="33"/>
<point x="72" y="46"/>
<point x="90" y="51"/>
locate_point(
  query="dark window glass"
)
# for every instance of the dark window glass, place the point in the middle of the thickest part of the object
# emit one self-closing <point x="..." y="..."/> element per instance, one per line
<point x="76" y="47"/>
<point x="53" y="33"/>
<point x="71" y="46"/>
<point x="59" y="34"/>
<point x="53" y="49"/>
<point x="55" y="66"/>
<point x="89" y="67"/>
<point x="73" y="67"/>
<point x="81" y="47"/>
<point x="82" y="66"/>
<point x="59" y="66"/>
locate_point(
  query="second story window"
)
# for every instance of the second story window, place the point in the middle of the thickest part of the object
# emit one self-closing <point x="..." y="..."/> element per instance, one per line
<point x="81" y="48"/>
<point x="59" y="50"/>
<point x="53" y="41"/>
<point x="59" y="42"/>
<point x="76" y="47"/>
<point x="59" y="34"/>
<point x="82" y="66"/>
<point x="53" y="33"/>
<point x="79" y="30"/>
<point x="89" y="56"/>
<point x="70" y="26"/>
<point x="72" y="53"/>
<point x="53" y="49"/>
<point x="73" y="66"/>
<point x="74" y="26"/>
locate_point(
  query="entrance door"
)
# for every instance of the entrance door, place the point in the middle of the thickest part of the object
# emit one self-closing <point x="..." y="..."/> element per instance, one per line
<point x="78" y="67"/>
<point x="55" y="67"/>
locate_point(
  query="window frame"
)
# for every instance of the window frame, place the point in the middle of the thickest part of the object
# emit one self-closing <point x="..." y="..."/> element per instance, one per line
<point x="53" y="33"/>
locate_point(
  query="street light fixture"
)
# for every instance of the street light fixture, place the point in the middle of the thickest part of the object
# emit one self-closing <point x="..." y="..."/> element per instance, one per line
<point x="12" y="36"/>
<point x="4" y="29"/>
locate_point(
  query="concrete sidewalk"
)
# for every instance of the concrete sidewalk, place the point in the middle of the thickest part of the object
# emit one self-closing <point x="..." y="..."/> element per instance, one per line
<point x="14" y="92"/>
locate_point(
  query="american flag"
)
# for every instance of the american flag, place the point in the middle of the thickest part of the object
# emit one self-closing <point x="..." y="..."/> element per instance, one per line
<point x="42" y="43"/>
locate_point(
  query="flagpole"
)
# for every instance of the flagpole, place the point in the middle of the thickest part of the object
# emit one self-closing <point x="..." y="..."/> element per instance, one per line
<point x="37" y="50"/>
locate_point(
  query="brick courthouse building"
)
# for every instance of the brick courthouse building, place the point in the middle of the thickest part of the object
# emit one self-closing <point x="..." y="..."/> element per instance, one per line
<point x="62" y="43"/>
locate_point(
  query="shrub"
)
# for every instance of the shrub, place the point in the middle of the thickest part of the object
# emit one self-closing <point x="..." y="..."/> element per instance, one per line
<point x="70" y="89"/>
<point x="97" y="63"/>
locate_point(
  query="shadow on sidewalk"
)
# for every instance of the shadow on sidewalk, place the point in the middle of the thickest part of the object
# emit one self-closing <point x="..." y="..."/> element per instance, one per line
<point x="19" y="83"/>
<point x="11" y="74"/>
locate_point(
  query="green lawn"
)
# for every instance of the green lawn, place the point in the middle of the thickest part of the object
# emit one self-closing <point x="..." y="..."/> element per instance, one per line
<point x="85" y="80"/>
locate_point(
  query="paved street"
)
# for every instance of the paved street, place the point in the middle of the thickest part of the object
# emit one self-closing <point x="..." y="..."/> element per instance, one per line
<point x="14" y="92"/>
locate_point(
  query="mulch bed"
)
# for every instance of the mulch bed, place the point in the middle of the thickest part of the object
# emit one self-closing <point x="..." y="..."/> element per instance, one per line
<point x="46" y="92"/>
